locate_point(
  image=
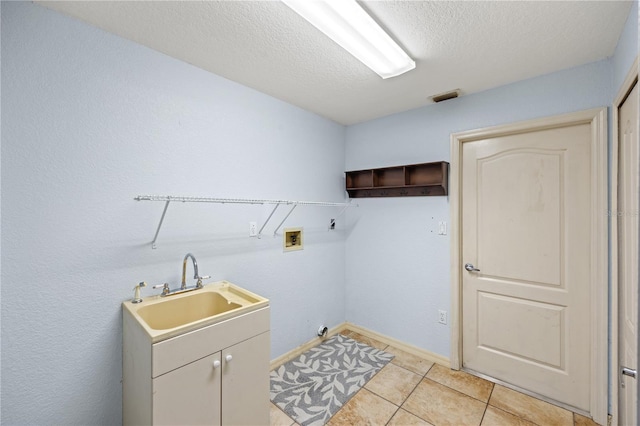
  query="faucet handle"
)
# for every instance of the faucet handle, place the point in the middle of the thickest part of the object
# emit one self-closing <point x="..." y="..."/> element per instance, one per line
<point x="199" y="282"/>
<point x="165" y="288"/>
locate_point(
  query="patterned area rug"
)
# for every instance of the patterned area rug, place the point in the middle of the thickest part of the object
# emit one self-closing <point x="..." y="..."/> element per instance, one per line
<point x="314" y="386"/>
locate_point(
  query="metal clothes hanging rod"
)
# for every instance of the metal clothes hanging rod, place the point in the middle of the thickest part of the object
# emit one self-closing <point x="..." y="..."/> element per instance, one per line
<point x="169" y="198"/>
<point x="233" y="200"/>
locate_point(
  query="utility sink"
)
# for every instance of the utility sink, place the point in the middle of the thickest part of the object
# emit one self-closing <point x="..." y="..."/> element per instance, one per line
<point x="169" y="316"/>
<point x="192" y="307"/>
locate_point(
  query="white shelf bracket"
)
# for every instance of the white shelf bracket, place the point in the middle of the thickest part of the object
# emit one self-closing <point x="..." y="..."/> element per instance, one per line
<point x="285" y="219"/>
<point x="267" y="221"/>
<point x="344" y="209"/>
<point x="164" y="212"/>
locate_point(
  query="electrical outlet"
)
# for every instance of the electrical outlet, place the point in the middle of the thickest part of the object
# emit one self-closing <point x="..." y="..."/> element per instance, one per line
<point x="442" y="228"/>
<point x="253" y="229"/>
<point x="442" y="317"/>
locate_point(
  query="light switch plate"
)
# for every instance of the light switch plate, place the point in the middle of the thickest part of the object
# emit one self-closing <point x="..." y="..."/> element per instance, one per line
<point x="442" y="228"/>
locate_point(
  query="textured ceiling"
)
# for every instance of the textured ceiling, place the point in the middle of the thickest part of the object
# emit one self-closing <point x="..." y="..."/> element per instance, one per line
<point x="466" y="45"/>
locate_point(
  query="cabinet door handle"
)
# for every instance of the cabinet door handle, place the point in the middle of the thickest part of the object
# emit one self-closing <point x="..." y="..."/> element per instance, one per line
<point x="216" y="364"/>
<point x="228" y="358"/>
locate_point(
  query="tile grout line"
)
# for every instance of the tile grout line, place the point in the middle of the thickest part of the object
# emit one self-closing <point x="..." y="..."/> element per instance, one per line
<point x="456" y="390"/>
<point x="391" y="402"/>
<point x="460" y="392"/>
<point x="394" y="413"/>
<point x="486" y="406"/>
<point x="422" y="377"/>
<point x="505" y="410"/>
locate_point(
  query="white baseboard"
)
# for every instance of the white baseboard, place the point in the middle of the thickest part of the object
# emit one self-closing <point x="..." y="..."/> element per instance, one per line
<point x="306" y="346"/>
<point x="422" y="353"/>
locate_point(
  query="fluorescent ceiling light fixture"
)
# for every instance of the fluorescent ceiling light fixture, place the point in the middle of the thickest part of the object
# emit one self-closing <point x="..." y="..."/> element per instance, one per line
<point x="346" y="23"/>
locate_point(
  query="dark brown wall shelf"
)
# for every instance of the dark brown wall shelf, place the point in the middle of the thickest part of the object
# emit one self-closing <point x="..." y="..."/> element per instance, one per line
<point x="401" y="181"/>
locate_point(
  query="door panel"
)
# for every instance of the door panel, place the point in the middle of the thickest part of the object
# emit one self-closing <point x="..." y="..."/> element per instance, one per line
<point x="526" y="207"/>
<point x="627" y="211"/>
<point x="534" y="332"/>
<point x="526" y="215"/>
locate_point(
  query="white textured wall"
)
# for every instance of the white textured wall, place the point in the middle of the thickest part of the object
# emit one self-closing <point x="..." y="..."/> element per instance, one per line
<point x="90" y="120"/>
<point x="398" y="273"/>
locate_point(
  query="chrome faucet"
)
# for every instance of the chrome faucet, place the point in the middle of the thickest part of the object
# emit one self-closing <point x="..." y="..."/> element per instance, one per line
<point x="196" y="276"/>
<point x="166" y="291"/>
<point x="183" y="286"/>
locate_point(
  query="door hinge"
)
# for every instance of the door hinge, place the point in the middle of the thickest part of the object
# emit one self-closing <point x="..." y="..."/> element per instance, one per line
<point x="629" y="372"/>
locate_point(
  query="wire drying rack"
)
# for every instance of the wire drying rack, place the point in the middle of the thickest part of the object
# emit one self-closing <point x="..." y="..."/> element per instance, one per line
<point x="168" y="199"/>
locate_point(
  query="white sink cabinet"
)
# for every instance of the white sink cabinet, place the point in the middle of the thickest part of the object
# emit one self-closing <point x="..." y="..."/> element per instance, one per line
<point x="215" y="375"/>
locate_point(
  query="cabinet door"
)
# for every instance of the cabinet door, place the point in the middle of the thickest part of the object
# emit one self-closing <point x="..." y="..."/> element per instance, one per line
<point x="189" y="395"/>
<point x="245" y="382"/>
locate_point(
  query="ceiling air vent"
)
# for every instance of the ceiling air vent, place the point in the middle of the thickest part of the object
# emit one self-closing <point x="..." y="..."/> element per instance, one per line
<point x="446" y="96"/>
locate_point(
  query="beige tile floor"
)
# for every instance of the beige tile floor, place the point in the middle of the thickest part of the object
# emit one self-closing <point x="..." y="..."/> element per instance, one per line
<point x="413" y="391"/>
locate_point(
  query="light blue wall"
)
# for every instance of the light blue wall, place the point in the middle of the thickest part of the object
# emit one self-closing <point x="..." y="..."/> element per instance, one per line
<point x="397" y="285"/>
<point x="91" y="120"/>
<point x="626" y="49"/>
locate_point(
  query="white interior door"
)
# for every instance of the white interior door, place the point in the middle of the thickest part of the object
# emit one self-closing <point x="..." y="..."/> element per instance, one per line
<point x="627" y="211"/>
<point x="526" y="215"/>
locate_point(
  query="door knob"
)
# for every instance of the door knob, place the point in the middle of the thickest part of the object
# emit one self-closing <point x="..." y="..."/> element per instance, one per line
<point x="216" y="364"/>
<point x="469" y="267"/>
<point x="228" y="358"/>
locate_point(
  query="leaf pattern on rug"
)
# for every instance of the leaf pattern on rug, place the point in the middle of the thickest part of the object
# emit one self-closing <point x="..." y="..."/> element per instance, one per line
<point x="314" y="386"/>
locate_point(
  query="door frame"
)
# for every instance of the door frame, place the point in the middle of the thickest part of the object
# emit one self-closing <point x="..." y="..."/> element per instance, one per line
<point x="623" y="92"/>
<point x="597" y="118"/>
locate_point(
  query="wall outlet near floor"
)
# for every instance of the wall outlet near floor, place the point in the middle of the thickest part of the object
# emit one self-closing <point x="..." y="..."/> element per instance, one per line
<point x="253" y="229"/>
<point x="442" y="317"/>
